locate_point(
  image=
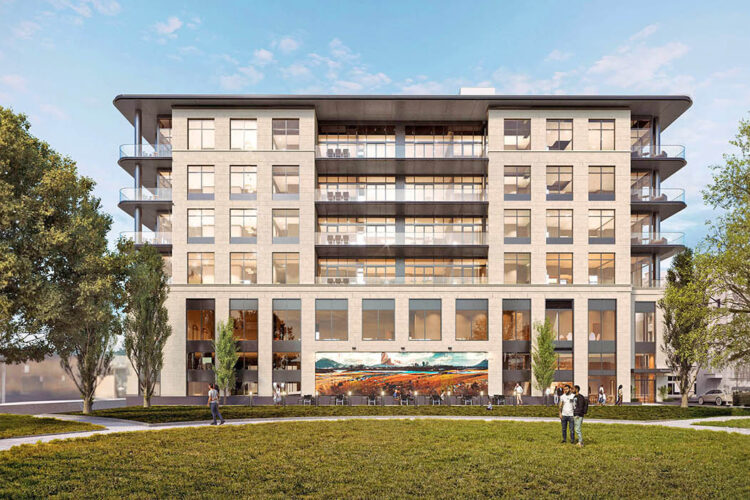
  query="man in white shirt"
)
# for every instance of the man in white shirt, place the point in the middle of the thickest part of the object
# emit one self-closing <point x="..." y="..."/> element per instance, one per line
<point x="567" y="405"/>
<point x="518" y="390"/>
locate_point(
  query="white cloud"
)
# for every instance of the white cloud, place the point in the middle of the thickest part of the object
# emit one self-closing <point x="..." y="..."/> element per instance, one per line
<point x="288" y="44"/>
<point x="341" y="51"/>
<point x="168" y="29"/>
<point x="194" y="23"/>
<point x="296" y="70"/>
<point x="644" y="33"/>
<point x="53" y="111"/>
<point x="245" y="76"/>
<point x="26" y="29"/>
<point x="638" y="66"/>
<point x="517" y="83"/>
<point x="15" y="82"/>
<point x="86" y="8"/>
<point x="558" y="56"/>
<point x="261" y="57"/>
<point x="412" y="87"/>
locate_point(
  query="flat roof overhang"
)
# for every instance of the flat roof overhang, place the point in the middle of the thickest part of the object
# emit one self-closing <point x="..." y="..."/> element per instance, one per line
<point x="402" y="208"/>
<point x="413" y="251"/>
<point x="149" y="166"/>
<point x="665" y="209"/>
<point x="665" y="166"/>
<point x="398" y="108"/>
<point x="402" y="166"/>
<point x="663" y="251"/>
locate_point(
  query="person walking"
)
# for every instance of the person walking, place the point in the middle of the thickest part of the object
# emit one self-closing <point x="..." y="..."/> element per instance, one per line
<point x="580" y="409"/>
<point x="557" y="394"/>
<point x="213" y="403"/>
<point x="619" y="396"/>
<point x="518" y="390"/>
<point x="547" y="396"/>
<point x="567" y="402"/>
<point x="602" y="396"/>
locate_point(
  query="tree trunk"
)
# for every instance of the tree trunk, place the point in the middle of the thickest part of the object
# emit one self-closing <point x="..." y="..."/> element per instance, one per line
<point x="684" y="398"/>
<point x="225" y="397"/>
<point x="146" y="401"/>
<point x="87" y="403"/>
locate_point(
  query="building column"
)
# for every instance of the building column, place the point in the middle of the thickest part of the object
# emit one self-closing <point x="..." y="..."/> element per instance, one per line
<point x="137" y="143"/>
<point x="265" y="345"/>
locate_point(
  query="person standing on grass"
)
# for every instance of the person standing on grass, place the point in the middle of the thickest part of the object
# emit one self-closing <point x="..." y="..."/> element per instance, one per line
<point x="213" y="403"/>
<point x="580" y="409"/>
<point x="619" y="396"/>
<point x="567" y="402"/>
<point x="518" y="390"/>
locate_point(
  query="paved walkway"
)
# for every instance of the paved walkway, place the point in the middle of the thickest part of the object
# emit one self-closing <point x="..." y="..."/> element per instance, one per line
<point x="113" y="425"/>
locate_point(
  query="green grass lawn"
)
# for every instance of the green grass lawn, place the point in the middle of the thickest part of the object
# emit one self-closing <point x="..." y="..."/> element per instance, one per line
<point x="384" y="459"/>
<point x="740" y="422"/>
<point x="160" y="414"/>
<point x="26" y="425"/>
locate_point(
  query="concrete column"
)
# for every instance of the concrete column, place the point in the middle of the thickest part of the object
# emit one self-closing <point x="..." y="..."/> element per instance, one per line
<point x="137" y="131"/>
<point x="265" y="345"/>
<point x="581" y="342"/>
<point x="400" y="141"/>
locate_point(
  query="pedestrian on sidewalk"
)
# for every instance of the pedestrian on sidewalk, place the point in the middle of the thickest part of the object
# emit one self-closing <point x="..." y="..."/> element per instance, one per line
<point x="213" y="403"/>
<point x="557" y="393"/>
<point x="580" y="410"/>
<point x="518" y="390"/>
<point x="619" y="396"/>
<point x="547" y="396"/>
<point x="567" y="402"/>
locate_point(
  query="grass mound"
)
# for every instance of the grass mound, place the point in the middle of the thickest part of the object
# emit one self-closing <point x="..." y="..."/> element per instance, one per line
<point x="26" y="425"/>
<point x="742" y="423"/>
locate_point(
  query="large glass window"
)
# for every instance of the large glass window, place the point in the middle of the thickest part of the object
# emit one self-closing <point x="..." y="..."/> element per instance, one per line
<point x="378" y="319"/>
<point x="601" y="269"/>
<point x="244" y="134"/>
<point x="560" y="268"/>
<point x="442" y="188"/>
<point x="602" y="135"/>
<point x="517" y="268"/>
<point x="516" y="361"/>
<point x="200" y="225"/>
<point x="517" y="134"/>
<point x="602" y="322"/>
<point x="424" y="319"/>
<point x="564" y="361"/>
<point x="645" y="323"/>
<point x="471" y="319"/>
<point x="601" y="183"/>
<point x="331" y="319"/>
<point x="360" y="141"/>
<point x="200" y="134"/>
<point x="200" y="320"/>
<point x="285" y="182"/>
<point x="601" y="226"/>
<point x="201" y="182"/>
<point x="560" y="315"/>
<point x="287" y="319"/>
<point x="243" y="225"/>
<point x="243" y="180"/>
<point x="517" y="181"/>
<point x="516" y="324"/>
<point x="285" y="268"/>
<point x="244" y="313"/>
<point x="517" y="226"/>
<point x="602" y="362"/>
<point x="644" y="361"/>
<point x="363" y="271"/>
<point x="559" y="226"/>
<point x="286" y="225"/>
<point x="164" y="134"/>
<point x="446" y="271"/>
<point x="641" y="271"/>
<point x="285" y="134"/>
<point x="560" y="135"/>
<point x="243" y="267"/>
<point x="559" y="183"/>
<point x="200" y="267"/>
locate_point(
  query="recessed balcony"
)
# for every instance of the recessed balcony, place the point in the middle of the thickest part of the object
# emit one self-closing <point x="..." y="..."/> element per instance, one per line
<point x="155" y="238"/>
<point x="389" y="149"/>
<point x="151" y="201"/>
<point x="361" y="244"/>
<point x="650" y="283"/>
<point x="400" y="280"/>
<point x="665" y="201"/>
<point x="145" y="151"/>
<point x="662" y="244"/>
<point x="665" y="159"/>
<point x="146" y="194"/>
<point x="382" y="201"/>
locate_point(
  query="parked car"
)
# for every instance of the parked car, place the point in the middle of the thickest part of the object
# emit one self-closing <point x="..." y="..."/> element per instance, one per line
<point x="716" y="396"/>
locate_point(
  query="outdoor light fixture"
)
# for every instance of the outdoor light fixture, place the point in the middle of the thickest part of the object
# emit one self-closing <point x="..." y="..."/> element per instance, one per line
<point x="450" y="348"/>
<point x="354" y="348"/>
<point x="403" y="348"/>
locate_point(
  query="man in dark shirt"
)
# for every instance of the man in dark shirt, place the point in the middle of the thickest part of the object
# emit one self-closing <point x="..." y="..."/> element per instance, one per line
<point x="581" y="408"/>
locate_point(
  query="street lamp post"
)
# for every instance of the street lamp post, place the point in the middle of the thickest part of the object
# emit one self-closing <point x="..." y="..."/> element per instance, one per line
<point x="449" y="398"/>
<point x="382" y="398"/>
<point x="416" y="398"/>
<point x="251" y="398"/>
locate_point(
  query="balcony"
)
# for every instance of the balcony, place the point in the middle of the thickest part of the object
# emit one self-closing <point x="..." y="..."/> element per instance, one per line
<point x="151" y="237"/>
<point x="362" y="244"/>
<point x="657" y="152"/>
<point x="146" y="194"/>
<point x="650" y="283"/>
<point x="662" y="244"/>
<point x="145" y="151"/>
<point x="665" y="201"/>
<point x="401" y="280"/>
<point x="385" y="200"/>
<point x="389" y="149"/>
<point x="665" y="159"/>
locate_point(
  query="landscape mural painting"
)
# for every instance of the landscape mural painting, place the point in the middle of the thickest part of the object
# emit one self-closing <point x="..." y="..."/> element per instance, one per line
<point x="370" y="373"/>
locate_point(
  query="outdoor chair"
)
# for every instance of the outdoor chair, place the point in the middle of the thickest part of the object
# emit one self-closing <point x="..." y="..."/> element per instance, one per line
<point x="436" y="401"/>
<point x="338" y="153"/>
<point x="330" y="281"/>
<point x="372" y="401"/>
<point x="340" y="400"/>
<point x="498" y="399"/>
<point x="346" y="153"/>
<point x="338" y="195"/>
<point x="346" y="195"/>
<point x="306" y="400"/>
<point x="330" y="195"/>
<point x="329" y="153"/>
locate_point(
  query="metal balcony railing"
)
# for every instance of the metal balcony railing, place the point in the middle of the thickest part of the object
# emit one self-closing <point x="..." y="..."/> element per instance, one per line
<point x="657" y="195"/>
<point x="387" y="149"/>
<point x="417" y="239"/>
<point x="145" y="151"/>
<point x="146" y="194"/>
<point x="401" y="280"/>
<point x="657" y="152"/>
<point x="658" y="239"/>
<point x="152" y="238"/>
<point x="378" y="193"/>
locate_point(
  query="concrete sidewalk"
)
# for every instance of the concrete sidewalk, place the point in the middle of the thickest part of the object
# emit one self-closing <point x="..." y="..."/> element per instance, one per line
<point x="117" y="425"/>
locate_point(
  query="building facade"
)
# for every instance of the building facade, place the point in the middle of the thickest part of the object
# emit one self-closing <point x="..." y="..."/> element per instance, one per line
<point x="350" y="234"/>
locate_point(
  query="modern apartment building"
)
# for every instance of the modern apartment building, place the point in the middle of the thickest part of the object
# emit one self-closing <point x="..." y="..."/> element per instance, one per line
<point x="357" y="240"/>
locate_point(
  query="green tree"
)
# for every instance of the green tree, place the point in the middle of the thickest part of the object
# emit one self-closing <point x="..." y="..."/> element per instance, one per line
<point x="543" y="356"/>
<point x="727" y="249"/>
<point x="688" y="341"/>
<point x="146" y="322"/>
<point x="41" y="196"/>
<point x="225" y="348"/>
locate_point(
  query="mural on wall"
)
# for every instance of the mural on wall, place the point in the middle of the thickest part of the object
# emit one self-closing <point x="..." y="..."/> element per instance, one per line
<point x="369" y="373"/>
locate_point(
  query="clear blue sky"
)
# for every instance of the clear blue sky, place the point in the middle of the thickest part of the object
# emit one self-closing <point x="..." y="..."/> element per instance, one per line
<point x="63" y="61"/>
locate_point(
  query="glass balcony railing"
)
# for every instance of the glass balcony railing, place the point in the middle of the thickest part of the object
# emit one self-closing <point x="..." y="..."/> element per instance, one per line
<point x="658" y="239"/>
<point x="649" y="283"/>
<point x="657" y="195"/>
<point x="378" y="193"/>
<point x="145" y="151"/>
<point x="387" y="149"/>
<point x="146" y="194"/>
<point x="401" y="280"/>
<point x="657" y="152"/>
<point x="152" y="238"/>
<point x="363" y="239"/>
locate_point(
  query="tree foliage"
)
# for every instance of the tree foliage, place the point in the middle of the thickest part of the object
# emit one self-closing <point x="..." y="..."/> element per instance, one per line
<point x="41" y="199"/>
<point x="688" y="341"/>
<point x="727" y="249"/>
<point x="225" y="348"/>
<point x="146" y="322"/>
<point x="543" y="356"/>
